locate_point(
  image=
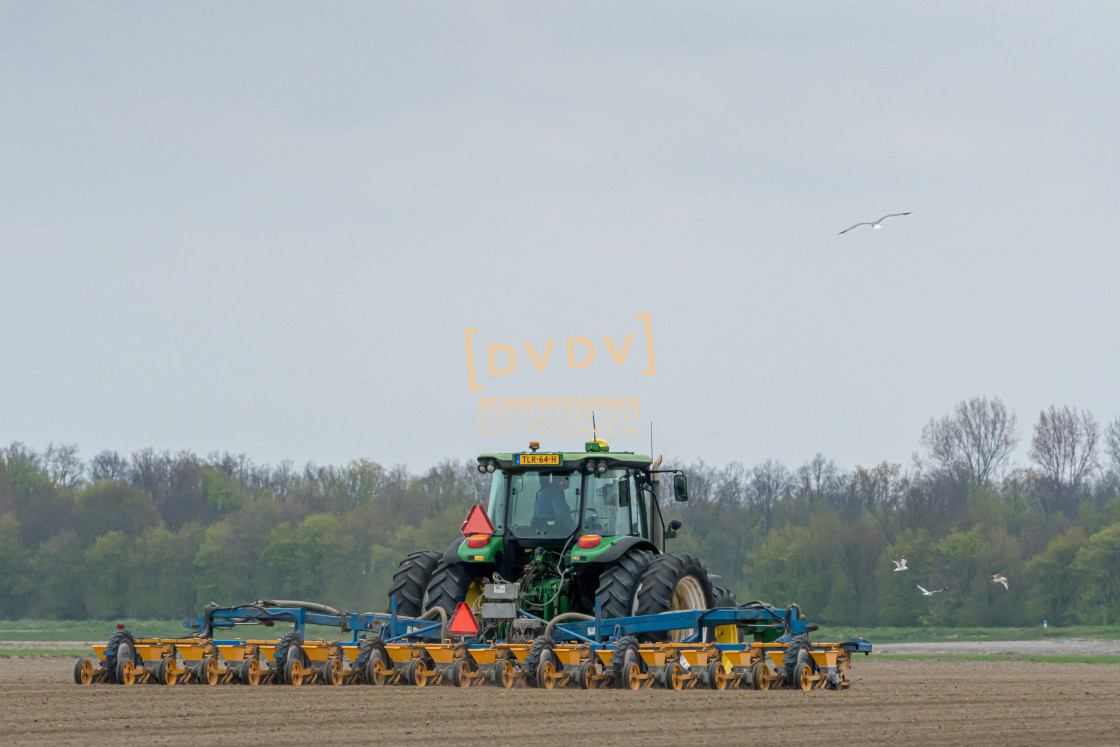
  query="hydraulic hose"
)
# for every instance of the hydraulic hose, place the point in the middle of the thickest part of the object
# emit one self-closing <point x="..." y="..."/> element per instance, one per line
<point x="565" y="617"/>
<point x="309" y="606"/>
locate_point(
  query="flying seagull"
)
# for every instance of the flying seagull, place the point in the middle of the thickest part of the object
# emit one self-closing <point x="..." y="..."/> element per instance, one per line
<point x="998" y="578"/>
<point x="931" y="593"/>
<point x="876" y="225"/>
<point x="900" y="565"/>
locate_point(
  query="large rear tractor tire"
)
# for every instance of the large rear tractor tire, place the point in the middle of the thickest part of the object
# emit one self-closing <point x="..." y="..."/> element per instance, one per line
<point x="673" y="583"/>
<point x="451" y="584"/>
<point x="411" y="580"/>
<point x="618" y="583"/>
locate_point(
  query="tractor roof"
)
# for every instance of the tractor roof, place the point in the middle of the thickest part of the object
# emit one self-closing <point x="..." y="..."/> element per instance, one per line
<point x="596" y="450"/>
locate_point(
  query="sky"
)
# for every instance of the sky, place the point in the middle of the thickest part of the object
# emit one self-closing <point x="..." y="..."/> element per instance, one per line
<point x="266" y="227"/>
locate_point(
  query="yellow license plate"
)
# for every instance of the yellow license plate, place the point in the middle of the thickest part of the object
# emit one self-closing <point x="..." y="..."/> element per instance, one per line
<point x="534" y="460"/>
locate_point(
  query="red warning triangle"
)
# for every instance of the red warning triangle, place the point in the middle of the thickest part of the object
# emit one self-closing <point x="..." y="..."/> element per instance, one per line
<point x="477" y="522"/>
<point x="463" y="622"/>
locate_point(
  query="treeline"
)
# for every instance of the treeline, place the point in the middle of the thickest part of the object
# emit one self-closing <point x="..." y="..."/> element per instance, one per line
<point x="825" y="537"/>
<point x="158" y="534"/>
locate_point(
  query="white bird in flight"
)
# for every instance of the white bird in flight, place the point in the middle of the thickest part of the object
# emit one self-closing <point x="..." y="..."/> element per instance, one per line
<point x="998" y="578"/>
<point x="875" y="225"/>
<point x="900" y="565"/>
<point x="931" y="593"/>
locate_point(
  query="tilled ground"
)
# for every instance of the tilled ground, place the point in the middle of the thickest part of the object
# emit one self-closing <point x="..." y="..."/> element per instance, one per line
<point x="890" y="702"/>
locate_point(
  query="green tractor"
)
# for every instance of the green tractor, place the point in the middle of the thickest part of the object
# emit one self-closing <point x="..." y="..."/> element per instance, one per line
<point x="572" y="529"/>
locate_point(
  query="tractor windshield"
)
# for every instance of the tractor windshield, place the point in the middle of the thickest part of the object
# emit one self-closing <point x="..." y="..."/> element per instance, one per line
<point x="612" y="507"/>
<point x="547" y="504"/>
<point x="542" y="505"/>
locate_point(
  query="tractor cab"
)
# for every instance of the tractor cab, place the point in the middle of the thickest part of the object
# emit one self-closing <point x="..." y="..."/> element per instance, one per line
<point x="541" y="499"/>
<point x="572" y="529"/>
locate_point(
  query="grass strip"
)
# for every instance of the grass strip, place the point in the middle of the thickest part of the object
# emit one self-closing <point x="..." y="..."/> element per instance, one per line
<point x="8" y="653"/>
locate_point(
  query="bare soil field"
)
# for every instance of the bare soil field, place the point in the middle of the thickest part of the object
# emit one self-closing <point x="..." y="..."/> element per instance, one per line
<point x="891" y="702"/>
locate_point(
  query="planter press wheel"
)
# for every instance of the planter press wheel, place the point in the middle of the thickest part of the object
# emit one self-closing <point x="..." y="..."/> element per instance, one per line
<point x="208" y="671"/>
<point x="126" y="666"/>
<point x="760" y="676"/>
<point x="461" y="673"/>
<point x="418" y="673"/>
<point x="717" y="675"/>
<point x="249" y="672"/>
<point x="626" y="664"/>
<point x="126" y="671"/>
<point x="164" y="673"/>
<point x="674" y="675"/>
<point x="505" y="675"/>
<point x="584" y="674"/>
<point x="331" y="673"/>
<point x="293" y="672"/>
<point x="83" y="671"/>
<point x="803" y="674"/>
<point x="632" y="673"/>
<point x="547" y="673"/>
<point x="375" y="671"/>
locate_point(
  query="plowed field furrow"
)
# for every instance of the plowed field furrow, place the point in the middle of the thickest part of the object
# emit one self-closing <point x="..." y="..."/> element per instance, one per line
<point x="891" y="702"/>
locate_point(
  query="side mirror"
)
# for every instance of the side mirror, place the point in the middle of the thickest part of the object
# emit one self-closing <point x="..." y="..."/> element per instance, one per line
<point x="671" y="530"/>
<point x="623" y="493"/>
<point x="680" y="487"/>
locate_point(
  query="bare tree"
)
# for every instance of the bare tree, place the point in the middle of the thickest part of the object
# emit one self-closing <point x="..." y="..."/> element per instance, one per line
<point x="109" y="465"/>
<point x="975" y="439"/>
<point x="21" y="452"/>
<point x="63" y="465"/>
<point x="1112" y="442"/>
<point x="818" y="476"/>
<point x="1065" y="449"/>
<point x="768" y="483"/>
<point x="729" y="485"/>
